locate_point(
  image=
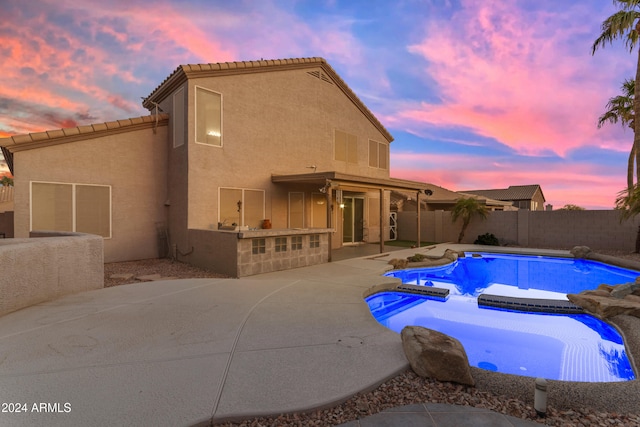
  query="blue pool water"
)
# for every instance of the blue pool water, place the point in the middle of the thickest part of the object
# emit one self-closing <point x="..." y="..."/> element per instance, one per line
<point x="553" y="346"/>
<point x="517" y="275"/>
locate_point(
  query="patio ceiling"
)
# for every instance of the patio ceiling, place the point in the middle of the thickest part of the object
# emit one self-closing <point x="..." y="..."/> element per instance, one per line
<point x="322" y="178"/>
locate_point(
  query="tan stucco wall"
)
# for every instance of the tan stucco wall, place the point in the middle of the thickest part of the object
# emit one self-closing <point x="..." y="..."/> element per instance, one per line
<point x="213" y="250"/>
<point x="542" y="229"/>
<point x="273" y="123"/>
<point x="132" y="163"/>
<point x="36" y="270"/>
<point x="177" y="179"/>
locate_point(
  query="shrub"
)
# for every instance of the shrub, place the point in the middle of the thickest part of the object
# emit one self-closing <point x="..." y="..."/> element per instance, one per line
<point x="487" y="239"/>
<point x="416" y="258"/>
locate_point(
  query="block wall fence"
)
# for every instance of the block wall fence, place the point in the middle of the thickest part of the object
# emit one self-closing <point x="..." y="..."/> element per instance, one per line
<point x="541" y="229"/>
<point x="48" y="266"/>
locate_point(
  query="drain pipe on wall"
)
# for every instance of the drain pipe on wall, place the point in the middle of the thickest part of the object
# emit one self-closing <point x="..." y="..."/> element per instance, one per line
<point x="382" y="220"/>
<point x="177" y="252"/>
<point x="418" y="219"/>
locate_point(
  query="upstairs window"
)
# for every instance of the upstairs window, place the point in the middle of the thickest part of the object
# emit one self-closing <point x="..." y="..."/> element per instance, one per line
<point x="346" y="147"/>
<point x="208" y="117"/>
<point x="378" y="154"/>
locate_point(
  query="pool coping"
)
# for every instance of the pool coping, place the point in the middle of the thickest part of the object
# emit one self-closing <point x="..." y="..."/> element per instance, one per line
<point x="603" y="396"/>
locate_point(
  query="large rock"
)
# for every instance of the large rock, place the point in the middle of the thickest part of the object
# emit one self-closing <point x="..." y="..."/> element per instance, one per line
<point x="605" y="307"/>
<point x="433" y="354"/>
<point x="580" y="252"/>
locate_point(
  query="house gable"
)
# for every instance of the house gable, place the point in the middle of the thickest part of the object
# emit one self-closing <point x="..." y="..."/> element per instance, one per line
<point x="515" y="193"/>
<point x="327" y="74"/>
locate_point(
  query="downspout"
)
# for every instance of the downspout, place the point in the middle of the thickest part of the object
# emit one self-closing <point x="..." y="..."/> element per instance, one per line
<point x="328" y="194"/>
<point x="418" y="219"/>
<point x="381" y="218"/>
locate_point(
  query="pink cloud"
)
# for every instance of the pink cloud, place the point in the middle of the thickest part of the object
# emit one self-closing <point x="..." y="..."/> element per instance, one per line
<point x="576" y="183"/>
<point x="78" y="59"/>
<point x="514" y="76"/>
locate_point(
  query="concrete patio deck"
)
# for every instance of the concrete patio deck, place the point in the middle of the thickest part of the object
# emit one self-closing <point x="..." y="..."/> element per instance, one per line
<point x="186" y="352"/>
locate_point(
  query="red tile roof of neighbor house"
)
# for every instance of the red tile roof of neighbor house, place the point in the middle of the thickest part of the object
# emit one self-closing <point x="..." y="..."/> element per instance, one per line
<point x="514" y="192"/>
<point x="185" y="72"/>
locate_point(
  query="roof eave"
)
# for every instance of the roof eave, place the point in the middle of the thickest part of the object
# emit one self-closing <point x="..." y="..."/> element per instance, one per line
<point x="49" y="138"/>
<point x="338" y="177"/>
<point x="185" y="72"/>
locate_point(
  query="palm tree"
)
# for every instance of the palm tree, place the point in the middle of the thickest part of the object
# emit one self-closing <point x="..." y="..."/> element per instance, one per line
<point x="6" y="181"/>
<point x="628" y="203"/>
<point x="466" y="208"/>
<point x="625" y="24"/>
<point x="620" y="108"/>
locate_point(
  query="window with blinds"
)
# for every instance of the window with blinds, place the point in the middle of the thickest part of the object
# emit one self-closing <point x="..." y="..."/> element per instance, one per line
<point x="241" y="206"/>
<point x="81" y="208"/>
<point x="346" y="147"/>
<point x="378" y="154"/>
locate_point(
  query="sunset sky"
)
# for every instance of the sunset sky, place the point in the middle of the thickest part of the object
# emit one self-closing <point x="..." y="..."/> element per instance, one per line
<point x="478" y="94"/>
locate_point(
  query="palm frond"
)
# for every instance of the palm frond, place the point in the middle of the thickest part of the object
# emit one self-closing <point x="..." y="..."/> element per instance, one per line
<point x="620" y="108"/>
<point x="627" y="4"/>
<point x="628" y="202"/>
<point x="620" y="25"/>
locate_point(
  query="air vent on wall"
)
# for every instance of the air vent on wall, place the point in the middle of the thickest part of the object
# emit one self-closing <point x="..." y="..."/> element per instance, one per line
<point x="320" y="75"/>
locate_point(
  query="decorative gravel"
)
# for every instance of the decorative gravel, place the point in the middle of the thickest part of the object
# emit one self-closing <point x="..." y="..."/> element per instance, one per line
<point x="166" y="268"/>
<point x="407" y="388"/>
<point x="404" y="389"/>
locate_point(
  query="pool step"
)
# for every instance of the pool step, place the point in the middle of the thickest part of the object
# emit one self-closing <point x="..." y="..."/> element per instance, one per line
<point x="529" y="304"/>
<point x="431" y="291"/>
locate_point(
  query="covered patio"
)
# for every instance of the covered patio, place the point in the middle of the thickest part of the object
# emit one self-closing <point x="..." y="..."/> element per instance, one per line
<point x="347" y="201"/>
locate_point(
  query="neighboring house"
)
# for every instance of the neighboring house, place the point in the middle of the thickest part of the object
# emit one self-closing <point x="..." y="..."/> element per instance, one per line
<point x="441" y="199"/>
<point x="528" y="197"/>
<point x="229" y="148"/>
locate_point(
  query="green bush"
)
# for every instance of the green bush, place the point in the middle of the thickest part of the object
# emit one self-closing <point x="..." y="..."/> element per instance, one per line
<point x="416" y="258"/>
<point x="487" y="239"/>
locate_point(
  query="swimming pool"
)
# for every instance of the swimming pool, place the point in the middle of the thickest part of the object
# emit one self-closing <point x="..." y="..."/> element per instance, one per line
<point x="554" y="346"/>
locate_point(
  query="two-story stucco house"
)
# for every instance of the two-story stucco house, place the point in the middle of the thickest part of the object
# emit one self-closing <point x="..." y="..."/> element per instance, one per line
<point x="229" y="150"/>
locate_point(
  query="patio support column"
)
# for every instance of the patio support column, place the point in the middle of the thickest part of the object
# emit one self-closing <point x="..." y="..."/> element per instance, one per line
<point x="418" y="219"/>
<point x="328" y="194"/>
<point x="381" y="220"/>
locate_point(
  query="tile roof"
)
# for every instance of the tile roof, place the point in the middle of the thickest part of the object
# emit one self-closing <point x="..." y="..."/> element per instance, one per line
<point x="514" y="192"/>
<point x="29" y="141"/>
<point x="184" y="72"/>
<point x="441" y="195"/>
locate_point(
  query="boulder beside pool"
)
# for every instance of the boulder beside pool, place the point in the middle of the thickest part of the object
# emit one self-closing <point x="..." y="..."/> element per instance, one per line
<point x="433" y="354"/>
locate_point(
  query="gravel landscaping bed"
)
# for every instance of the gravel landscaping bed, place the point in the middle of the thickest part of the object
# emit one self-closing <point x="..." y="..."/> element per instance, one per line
<point x="166" y="268"/>
<point x="407" y="388"/>
<point x="404" y="389"/>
